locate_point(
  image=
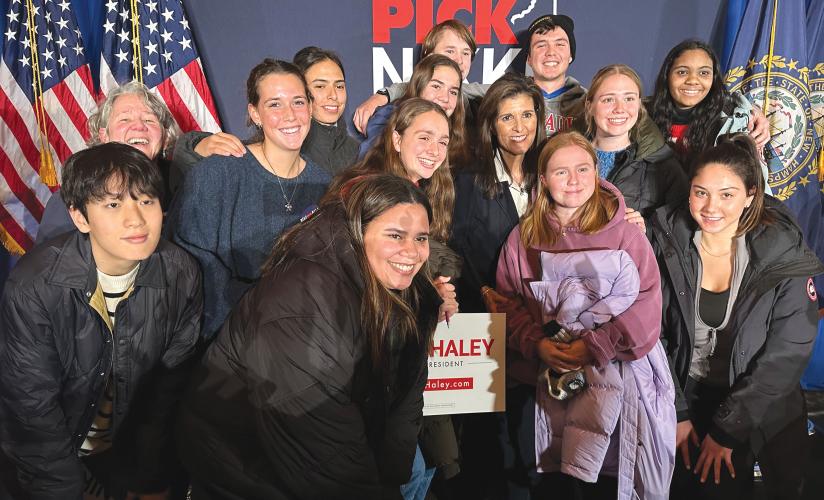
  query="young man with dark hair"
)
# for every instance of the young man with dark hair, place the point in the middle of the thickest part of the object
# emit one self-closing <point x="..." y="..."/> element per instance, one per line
<point x="96" y="328"/>
<point x="549" y="44"/>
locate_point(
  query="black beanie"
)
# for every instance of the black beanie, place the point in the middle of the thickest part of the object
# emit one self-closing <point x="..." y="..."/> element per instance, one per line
<point x="556" y="20"/>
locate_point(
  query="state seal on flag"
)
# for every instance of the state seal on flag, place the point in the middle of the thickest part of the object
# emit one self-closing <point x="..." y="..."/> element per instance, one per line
<point x="791" y="150"/>
<point x="817" y="98"/>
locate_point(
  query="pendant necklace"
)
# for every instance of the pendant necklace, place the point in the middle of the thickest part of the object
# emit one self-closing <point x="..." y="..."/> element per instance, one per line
<point x="288" y="205"/>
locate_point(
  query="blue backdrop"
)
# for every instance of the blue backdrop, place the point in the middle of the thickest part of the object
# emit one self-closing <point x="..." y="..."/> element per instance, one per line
<point x="233" y="36"/>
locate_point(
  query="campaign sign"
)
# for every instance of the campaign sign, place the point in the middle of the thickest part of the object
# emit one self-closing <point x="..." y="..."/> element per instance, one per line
<point x="466" y="365"/>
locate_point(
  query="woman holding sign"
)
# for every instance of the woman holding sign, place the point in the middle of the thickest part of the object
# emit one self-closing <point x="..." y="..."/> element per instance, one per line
<point x="588" y="424"/>
<point x="313" y="388"/>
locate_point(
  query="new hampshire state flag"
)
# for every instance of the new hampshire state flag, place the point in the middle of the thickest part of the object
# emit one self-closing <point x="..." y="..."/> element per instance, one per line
<point x="815" y="45"/>
<point x="770" y="62"/>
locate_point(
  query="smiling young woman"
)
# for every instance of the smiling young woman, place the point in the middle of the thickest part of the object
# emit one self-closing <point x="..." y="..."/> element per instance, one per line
<point x="576" y="219"/>
<point x="692" y="107"/>
<point x="328" y="143"/>
<point x="437" y="79"/>
<point x="737" y="337"/>
<point x="231" y="209"/>
<point x="644" y="169"/>
<point x="414" y="146"/>
<point x="322" y="365"/>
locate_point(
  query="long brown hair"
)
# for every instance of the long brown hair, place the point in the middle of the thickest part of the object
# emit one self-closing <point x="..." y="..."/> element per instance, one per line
<point x="421" y="77"/>
<point x="506" y="87"/>
<point x="593" y="215"/>
<point x="358" y="203"/>
<point x="384" y="158"/>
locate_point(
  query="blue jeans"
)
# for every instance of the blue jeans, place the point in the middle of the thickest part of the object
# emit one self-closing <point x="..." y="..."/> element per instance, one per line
<point x="418" y="484"/>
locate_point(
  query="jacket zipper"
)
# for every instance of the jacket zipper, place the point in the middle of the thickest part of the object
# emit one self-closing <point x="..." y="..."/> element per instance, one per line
<point x="110" y="372"/>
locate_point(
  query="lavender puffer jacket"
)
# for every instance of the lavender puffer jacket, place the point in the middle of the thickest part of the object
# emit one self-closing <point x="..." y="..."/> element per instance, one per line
<point x="580" y="436"/>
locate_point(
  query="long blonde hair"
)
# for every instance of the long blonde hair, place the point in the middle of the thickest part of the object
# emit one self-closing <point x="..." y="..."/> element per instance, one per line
<point x="593" y="215"/>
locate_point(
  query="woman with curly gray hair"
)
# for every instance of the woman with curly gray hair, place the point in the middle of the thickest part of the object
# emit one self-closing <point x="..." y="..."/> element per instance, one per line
<point x="130" y="114"/>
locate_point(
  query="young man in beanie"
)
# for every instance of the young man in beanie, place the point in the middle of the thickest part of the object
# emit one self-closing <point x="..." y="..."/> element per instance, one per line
<point x="550" y="47"/>
<point x="96" y="328"/>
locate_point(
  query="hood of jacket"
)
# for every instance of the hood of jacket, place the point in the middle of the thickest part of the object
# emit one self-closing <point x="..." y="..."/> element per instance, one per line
<point x="571" y="102"/>
<point x="645" y="152"/>
<point x="328" y="246"/>
<point x="649" y="139"/>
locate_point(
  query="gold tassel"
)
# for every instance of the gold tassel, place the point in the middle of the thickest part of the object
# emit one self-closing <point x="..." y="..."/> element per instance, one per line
<point x="48" y="173"/>
<point x="11" y="245"/>
<point x="770" y="63"/>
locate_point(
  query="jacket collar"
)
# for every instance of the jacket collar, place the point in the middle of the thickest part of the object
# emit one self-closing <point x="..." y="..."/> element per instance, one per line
<point x="75" y="266"/>
<point x="336" y="132"/>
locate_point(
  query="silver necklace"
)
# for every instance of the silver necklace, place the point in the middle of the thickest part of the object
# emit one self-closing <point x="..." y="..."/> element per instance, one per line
<point x="288" y="205"/>
<point x="703" y="247"/>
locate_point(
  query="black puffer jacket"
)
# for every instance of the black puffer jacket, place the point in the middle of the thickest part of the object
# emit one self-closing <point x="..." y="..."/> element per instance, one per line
<point x="56" y="353"/>
<point x="286" y="404"/>
<point x="649" y="176"/>
<point x="773" y="322"/>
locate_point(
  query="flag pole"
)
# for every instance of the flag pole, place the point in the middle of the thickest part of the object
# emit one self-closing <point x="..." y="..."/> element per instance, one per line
<point x="137" y="59"/>
<point x="770" y="59"/>
<point x="47" y="172"/>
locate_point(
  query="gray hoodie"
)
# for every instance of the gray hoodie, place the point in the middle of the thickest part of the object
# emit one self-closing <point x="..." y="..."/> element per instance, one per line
<point x="565" y="108"/>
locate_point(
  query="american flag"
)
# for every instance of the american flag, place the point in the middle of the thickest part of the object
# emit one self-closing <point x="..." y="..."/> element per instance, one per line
<point x="46" y="97"/>
<point x="167" y="61"/>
